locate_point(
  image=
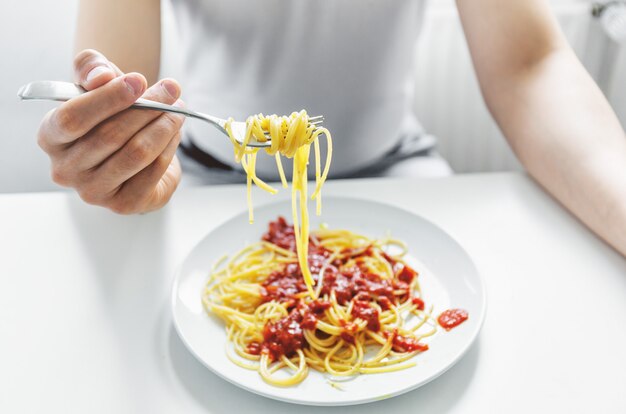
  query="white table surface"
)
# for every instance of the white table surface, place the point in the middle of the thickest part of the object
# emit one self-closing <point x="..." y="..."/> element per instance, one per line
<point x="85" y="323"/>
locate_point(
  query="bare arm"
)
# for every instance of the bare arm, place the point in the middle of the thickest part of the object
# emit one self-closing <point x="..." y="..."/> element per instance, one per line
<point x="126" y="32"/>
<point x="553" y="115"/>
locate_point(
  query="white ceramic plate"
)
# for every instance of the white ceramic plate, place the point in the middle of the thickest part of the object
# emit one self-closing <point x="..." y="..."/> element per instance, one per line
<point x="447" y="275"/>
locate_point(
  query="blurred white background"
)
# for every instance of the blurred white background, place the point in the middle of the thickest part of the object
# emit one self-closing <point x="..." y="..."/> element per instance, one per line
<point x="447" y="99"/>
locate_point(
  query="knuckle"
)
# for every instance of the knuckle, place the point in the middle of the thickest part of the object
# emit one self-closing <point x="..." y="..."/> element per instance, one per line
<point x="85" y="178"/>
<point x="60" y="175"/>
<point x="176" y="121"/>
<point x="110" y="136"/>
<point x="88" y="197"/>
<point x="137" y="151"/>
<point x="163" y="160"/>
<point x="168" y="124"/>
<point x="66" y="121"/>
<point x="121" y="206"/>
<point x="119" y="96"/>
<point x="83" y="57"/>
<point x="114" y="96"/>
<point x="91" y="195"/>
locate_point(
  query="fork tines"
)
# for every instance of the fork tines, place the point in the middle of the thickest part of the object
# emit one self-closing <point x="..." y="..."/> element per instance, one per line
<point x="316" y="120"/>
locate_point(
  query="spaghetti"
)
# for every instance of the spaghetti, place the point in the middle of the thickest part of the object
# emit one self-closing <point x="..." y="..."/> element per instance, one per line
<point x="292" y="137"/>
<point x="366" y="314"/>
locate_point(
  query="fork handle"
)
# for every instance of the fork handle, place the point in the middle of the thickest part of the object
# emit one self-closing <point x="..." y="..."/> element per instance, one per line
<point x="64" y="91"/>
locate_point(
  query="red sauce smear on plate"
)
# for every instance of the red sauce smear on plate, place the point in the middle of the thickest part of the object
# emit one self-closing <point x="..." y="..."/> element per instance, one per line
<point x="452" y="318"/>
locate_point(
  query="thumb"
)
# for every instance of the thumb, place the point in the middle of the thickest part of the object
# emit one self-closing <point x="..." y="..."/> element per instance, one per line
<point x="92" y="69"/>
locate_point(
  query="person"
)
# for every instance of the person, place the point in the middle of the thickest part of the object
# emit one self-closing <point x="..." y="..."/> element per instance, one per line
<point x="349" y="60"/>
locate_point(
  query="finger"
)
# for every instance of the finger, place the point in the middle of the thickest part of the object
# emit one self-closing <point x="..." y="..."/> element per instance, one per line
<point x="167" y="185"/>
<point x="44" y="133"/>
<point x="139" y="152"/>
<point x="152" y="187"/>
<point x="92" y="69"/>
<point x="110" y="135"/>
<point x="74" y="118"/>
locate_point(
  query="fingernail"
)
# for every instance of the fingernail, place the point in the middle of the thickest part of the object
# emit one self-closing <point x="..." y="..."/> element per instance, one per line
<point x="135" y="85"/>
<point x="95" y="72"/>
<point x="171" y="88"/>
<point x="179" y="103"/>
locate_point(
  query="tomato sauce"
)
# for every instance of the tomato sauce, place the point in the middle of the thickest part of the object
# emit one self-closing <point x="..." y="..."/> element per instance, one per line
<point x="350" y="282"/>
<point x="349" y="332"/>
<point x="311" y="312"/>
<point x="369" y="314"/>
<point x="348" y="337"/>
<point x="282" y="286"/>
<point x="419" y="303"/>
<point x="384" y="303"/>
<point x="407" y="344"/>
<point x="281" y="234"/>
<point x="452" y="318"/>
<point x="283" y="337"/>
<point x="254" y="348"/>
<point x="407" y="275"/>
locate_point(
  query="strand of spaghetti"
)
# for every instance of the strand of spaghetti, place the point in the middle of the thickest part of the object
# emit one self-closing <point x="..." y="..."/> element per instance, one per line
<point x="249" y="193"/>
<point x="296" y="378"/>
<point x="291" y="140"/>
<point x="353" y="367"/>
<point x="382" y="353"/>
<point x="329" y="156"/>
<point x="277" y="249"/>
<point x="393" y="368"/>
<point x="276" y="135"/>
<point x="315" y="196"/>
<point x="320" y="276"/>
<point x="250" y="170"/>
<point x="316" y="343"/>
<point x="246" y="140"/>
<point x="229" y="130"/>
<point x="281" y="171"/>
<point x="303" y="254"/>
<point x="301" y="224"/>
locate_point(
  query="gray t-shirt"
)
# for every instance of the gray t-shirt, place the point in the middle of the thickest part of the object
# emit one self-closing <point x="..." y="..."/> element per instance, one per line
<point x="349" y="60"/>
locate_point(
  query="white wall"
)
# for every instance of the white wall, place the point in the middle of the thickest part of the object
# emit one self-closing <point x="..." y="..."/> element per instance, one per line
<point x="448" y="99"/>
<point x="617" y="94"/>
<point x="36" y="43"/>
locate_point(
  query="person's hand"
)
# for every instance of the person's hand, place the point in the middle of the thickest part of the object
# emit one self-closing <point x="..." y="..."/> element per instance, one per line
<point x="120" y="158"/>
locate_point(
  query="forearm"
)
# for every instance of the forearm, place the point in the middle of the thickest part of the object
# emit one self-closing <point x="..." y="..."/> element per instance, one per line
<point x="127" y="32"/>
<point x="567" y="136"/>
<point x="551" y="112"/>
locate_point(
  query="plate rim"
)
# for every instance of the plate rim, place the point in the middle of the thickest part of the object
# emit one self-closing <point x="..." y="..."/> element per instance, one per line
<point x="452" y="362"/>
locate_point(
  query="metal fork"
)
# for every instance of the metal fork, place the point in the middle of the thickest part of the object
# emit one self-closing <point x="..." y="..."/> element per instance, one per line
<point x="64" y="91"/>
